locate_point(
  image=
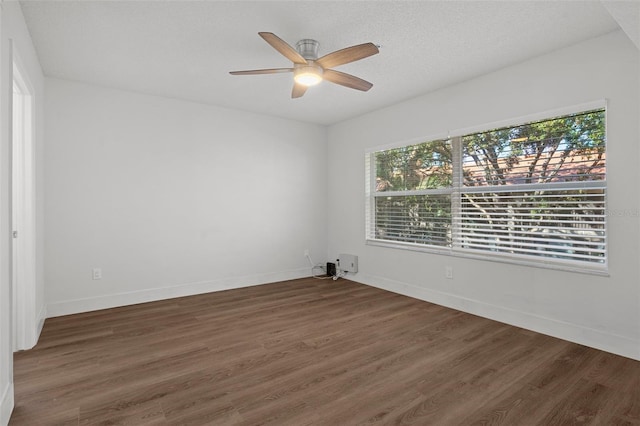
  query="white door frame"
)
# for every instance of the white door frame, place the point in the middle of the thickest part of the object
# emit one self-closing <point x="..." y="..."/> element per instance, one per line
<point x="23" y="208"/>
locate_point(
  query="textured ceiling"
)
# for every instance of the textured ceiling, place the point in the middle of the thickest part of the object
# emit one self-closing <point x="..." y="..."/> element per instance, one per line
<point x="185" y="49"/>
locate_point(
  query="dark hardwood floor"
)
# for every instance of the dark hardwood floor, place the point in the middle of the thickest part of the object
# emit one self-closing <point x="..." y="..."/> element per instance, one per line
<point x="313" y="352"/>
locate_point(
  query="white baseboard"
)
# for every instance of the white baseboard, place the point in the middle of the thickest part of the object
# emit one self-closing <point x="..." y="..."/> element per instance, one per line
<point x="41" y="317"/>
<point x="6" y="406"/>
<point x="67" y="307"/>
<point x="619" y="345"/>
<point x="33" y="329"/>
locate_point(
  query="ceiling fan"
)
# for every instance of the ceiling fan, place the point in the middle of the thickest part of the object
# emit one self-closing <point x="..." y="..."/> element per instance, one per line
<point x="309" y="70"/>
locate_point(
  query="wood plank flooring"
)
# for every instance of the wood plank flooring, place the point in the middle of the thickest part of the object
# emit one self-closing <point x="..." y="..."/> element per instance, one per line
<point x="313" y="352"/>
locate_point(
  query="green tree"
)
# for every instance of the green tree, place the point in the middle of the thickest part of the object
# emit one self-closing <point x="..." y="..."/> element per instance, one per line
<point x="423" y="166"/>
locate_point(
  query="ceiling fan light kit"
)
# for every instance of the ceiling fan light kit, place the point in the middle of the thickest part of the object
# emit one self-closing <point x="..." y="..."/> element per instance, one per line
<point x="307" y="75"/>
<point x="308" y="70"/>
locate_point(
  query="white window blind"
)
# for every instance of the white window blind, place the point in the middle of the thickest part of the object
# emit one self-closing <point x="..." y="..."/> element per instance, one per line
<point x="527" y="192"/>
<point x="412" y="194"/>
<point x="566" y="224"/>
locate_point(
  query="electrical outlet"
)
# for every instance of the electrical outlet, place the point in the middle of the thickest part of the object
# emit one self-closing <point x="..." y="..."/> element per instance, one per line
<point x="448" y="272"/>
<point x="97" y="273"/>
<point x="306" y="252"/>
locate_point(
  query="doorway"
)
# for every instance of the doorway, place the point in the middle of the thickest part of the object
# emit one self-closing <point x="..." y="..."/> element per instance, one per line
<point x="23" y="210"/>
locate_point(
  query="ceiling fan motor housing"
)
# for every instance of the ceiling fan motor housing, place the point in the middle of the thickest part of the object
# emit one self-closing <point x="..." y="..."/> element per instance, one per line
<point x="308" y="48"/>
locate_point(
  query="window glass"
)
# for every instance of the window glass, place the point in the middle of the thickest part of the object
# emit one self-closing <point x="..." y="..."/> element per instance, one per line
<point x="531" y="191"/>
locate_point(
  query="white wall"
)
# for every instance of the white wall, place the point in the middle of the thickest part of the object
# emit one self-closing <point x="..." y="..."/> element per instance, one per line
<point x="6" y="350"/>
<point x="603" y="312"/>
<point x="13" y="30"/>
<point x="172" y="198"/>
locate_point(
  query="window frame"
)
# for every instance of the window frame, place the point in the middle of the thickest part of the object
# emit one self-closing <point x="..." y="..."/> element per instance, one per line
<point x="458" y="188"/>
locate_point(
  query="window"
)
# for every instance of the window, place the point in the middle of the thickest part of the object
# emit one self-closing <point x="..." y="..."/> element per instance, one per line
<point x="533" y="193"/>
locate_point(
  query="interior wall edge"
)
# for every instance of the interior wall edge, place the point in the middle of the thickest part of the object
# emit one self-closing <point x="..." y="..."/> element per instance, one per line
<point x="69" y="307"/>
<point x="6" y="406"/>
<point x="619" y="345"/>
